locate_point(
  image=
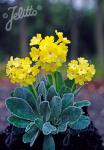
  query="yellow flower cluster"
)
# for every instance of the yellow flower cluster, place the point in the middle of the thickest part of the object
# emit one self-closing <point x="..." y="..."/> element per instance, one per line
<point x="48" y="53"/>
<point x="80" y="70"/>
<point x="20" y="71"/>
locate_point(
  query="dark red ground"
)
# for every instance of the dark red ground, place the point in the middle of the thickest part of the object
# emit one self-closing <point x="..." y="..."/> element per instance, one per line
<point x="94" y="92"/>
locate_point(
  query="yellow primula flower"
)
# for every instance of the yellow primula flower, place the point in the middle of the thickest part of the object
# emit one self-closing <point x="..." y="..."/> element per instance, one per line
<point x="80" y="70"/>
<point x="48" y="40"/>
<point x="19" y="70"/>
<point x="61" y="38"/>
<point x="35" y="70"/>
<point x="82" y="60"/>
<point x="49" y="68"/>
<point x="34" y="53"/>
<point x="36" y="40"/>
<point x="50" y="54"/>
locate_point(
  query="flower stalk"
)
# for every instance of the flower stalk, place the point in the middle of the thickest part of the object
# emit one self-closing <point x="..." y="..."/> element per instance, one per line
<point x="53" y="79"/>
<point x="32" y="88"/>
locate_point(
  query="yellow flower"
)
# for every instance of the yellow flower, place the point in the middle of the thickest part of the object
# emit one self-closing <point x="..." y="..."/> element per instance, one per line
<point x="34" y="53"/>
<point x="49" y="68"/>
<point x="35" y="40"/>
<point x="50" y="54"/>
<point x="61" y="38"/>
<point x="80" y="70"/>
<point x="82" y="60"/>
<point x="20" y="71"/>
<point x="35" y="70"/>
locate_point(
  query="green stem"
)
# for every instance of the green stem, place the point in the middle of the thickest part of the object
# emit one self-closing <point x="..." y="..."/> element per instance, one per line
<point x="53" y="79"/>
<point x="33" y="89"/>
<point x="72" y="89"/>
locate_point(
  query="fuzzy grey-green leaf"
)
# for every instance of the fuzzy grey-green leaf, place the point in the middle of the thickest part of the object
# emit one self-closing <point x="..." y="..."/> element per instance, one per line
<point x="43" y="78"/>
<point x="25" y="94"/>
<point x="71" y="114"/>
<point x="56" y="106"/>
<point x="48" y="128"/>
<point x="42" y="90"/>
<point x="82" y="103"/>
<point x="20" y="108"/>
<point x="45" y="110"/>
<point x="36" y="134"/>
<point x="39" y="123"/>
<point x="29" y="136"/>
<point x="18" y="122"/>
<point x="67" y="100"/>
<point x="38" y="102"/>
<point x="51" y="93"/>
<point x="48" y="143"/>
<point x="62" y="127"/>
<point x="29" y="126"/>
<point x="80" y="124"/>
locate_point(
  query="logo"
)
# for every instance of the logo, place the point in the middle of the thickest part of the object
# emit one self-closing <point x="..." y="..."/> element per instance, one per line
<point x="19" y="13"/>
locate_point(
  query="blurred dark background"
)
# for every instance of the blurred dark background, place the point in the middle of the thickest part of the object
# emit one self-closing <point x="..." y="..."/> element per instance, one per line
<point x="82" y="21"/>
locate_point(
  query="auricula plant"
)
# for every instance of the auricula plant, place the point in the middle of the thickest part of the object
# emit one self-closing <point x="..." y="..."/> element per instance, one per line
<point x="45" y="101"/>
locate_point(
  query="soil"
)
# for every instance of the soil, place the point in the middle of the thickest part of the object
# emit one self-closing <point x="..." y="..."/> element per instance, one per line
<point x="89" y="139"/>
